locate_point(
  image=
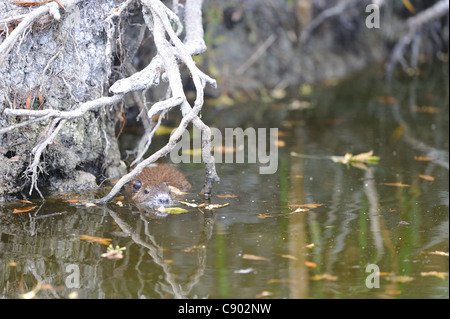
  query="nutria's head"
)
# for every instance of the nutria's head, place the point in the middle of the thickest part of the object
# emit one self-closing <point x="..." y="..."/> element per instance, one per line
<point x="151" y="197"/>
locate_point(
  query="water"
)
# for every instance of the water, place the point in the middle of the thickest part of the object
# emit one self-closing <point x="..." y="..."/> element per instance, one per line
<point x="260" y="246"/>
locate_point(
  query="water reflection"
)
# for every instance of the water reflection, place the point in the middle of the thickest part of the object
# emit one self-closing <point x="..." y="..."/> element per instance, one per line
<point x="262" y="245"/>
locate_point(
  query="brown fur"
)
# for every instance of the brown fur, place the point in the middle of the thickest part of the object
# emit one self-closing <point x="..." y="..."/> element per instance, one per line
<point x="155" y="180"/>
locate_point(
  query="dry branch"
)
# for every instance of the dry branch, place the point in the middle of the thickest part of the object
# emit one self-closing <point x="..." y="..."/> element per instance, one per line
<point x="166" y="27"/>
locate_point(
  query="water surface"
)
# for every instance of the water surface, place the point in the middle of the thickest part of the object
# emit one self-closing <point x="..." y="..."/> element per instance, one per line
<point x="393" y="215"/>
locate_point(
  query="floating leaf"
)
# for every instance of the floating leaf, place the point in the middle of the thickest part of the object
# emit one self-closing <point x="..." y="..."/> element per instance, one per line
<point x="349" y="158"/>
<point x="263" y="294"/>
<point x="310" y="264"/>
<point x="310" y="246"/>
<point x="300" y="210"/>
<point x="176" y="210"/>
<point x="190" y="204"/>
<point x="427" y="177"/>
<point x="226" y="196"/>
<point x="289" y="257"/>
<point x="23" y="210"/>
<point x="386" y="99"/>
<point x="214" y="206"/>
<point x="262" y="216"/>
<point x="424" y="159"/>
<point x="94" y="239"/>
<point x="114" y="253"/>
<point x="439" y="253"/>
<point x="426" y="109"/>
<point x="438" y="274"/>
<point x="312" y="205"/>
<point x="254" y="257"/>
<point x="397" y="184"/>
<point x="324" y="277"/>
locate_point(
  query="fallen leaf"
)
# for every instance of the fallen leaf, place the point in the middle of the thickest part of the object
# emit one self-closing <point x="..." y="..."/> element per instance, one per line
<point x="386" y="99"/>
<point x="397" y="184"/>
<point x="262" y="216"/>
<point x="214" y="206"/>
<point x="226" y="196"/>
<point x="299" y="210"/>
<point x="424" y="159"/>
<point x="310" y="264"/>
<point x="427" y="177"/>
<point x="289" y="257"/>
<point x="400" y="279"/>
<point x="24" y="201"/>
<point x="176" y="191"/>
<point x="324" y="277"/>
<point x="189" y="204"/>
<point x="280" y="143"/>
<point x="91" y="204"/>
<point x="310" y="246"/>
<point x="254" y="257"/>
<point x="176" y="210"/>
<point x="312" y="205"/>
<point x="439" y="253"/>
<point x="95" y="239"/>
<point x="263" y="294"/>
<point x="28" y="101"/>
<point x="41" y="100"/>
<point x="438" y="274"/>
<point x="23" y="210"/>
<point x="426" y="109"/>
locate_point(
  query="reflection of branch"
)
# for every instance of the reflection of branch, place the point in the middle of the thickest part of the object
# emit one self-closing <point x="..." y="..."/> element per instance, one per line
<point x="155" y="251"/>
<point x="374" y="215"/>
<point x="440" y="156"/>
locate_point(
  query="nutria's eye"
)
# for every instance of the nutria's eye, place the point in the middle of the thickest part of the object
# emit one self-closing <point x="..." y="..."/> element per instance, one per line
<point x="136" y="186"/>
<point x="146" y="191"/>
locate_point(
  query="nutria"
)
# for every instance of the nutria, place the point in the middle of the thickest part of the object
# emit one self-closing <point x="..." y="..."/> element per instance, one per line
<point x="150" y="189"/>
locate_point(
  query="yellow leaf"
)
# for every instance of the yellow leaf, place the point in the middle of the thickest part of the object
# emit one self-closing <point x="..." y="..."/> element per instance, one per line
<point x="398" y="132"/>
<point x="176" y="210"/>
<point x="164" y="130"/>
<point x="409" y="6"/>
<point x="310" y="264"/>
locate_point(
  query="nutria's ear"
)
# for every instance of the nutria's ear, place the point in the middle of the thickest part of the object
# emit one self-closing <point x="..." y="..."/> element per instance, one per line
<point x="136" y="186"/>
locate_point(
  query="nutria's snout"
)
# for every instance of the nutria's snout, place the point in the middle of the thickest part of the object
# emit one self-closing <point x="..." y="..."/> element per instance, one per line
<point x="163" y="199"/>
